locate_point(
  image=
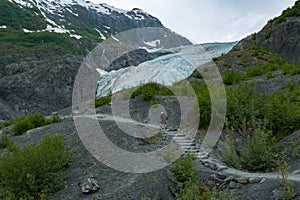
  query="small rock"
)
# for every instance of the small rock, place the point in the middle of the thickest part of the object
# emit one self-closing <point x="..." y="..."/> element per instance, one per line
<point x="255" y="180"/>
<point x="263" y="180"/>
<point x="221" y="167"/>
<point x="90" y="187"/>
<point x="243" y="180"/>
<point x="232" y="185"/>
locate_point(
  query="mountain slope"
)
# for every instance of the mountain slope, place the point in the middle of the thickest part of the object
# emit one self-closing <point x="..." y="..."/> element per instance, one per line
<point x="43" y="43"/>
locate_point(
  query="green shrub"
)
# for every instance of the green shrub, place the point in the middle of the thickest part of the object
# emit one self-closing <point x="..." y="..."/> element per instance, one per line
<point x="229" y="153"/>
<point x="259" y="153"/>
<point x="5" y="141"/>
<point x="101" y="101"/>
<point x="6" y="123"/>
<point x="230" y="77"/>
<point x="194" y="192"/>
<point x="184" y="169"/>
<point x="290" y="12"/>
<point x="150" y="90"/>
<point x="35" y="171"/>
<point x="31" y="121"/>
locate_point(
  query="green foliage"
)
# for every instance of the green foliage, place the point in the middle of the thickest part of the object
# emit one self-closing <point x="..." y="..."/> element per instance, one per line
<point x="35" y="171"/>
<point x="18" y="18"/>
<point x="193" y="192"/>
<point x="290" y="12"/>
<point x="259" y="154"/>
<point x="150" y="90"/>
<point x="271" y="65"/>
<point x="282" y="110"/>
<point x="230" y="153"/>
<point x="5" y="141"/>
<point x="204" y="103"/>
<point x="101" y="101"/>
<point x="288" y="188"/>
<point x="39" y="39"/>
<point x="184" y="169"/>
<point x="6" y="123"/>
<point x="31" y="121"/>
<point x="231" y="77"/>
<point x="243" y="107"/>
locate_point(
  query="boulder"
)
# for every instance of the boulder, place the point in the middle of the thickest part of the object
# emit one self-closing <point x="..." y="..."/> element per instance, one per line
<point x="90" y="186"/>
<point x="243" y="180"/>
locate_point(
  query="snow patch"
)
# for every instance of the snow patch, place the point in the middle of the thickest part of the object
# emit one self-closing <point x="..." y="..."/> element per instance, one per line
<point x="115" y="38"/>
<point x="76" y="36"/>
<point x="70" y="11"/>
<point x="101" y="34"/>
<point x="153" y="43"/>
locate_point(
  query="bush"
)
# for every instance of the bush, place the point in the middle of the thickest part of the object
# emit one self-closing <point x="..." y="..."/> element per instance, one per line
<point x="184" y="169"/>
<point x="35" y="171"/>
<point x="230" y="77"/>
<point x="150" y="90"/>
<point x="102" y="101"/>
<point x="31" y="121"/>
<point x="290" y="12"/>
<point x="259" y="154"/>
<point x="5" y="141"/>
<point x="5" y="123"/>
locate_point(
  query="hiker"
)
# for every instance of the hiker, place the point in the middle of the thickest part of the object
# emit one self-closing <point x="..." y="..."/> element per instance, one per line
<point x="163" y="120"/>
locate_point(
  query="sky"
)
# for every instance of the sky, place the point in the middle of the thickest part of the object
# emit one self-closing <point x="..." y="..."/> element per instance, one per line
<point x="204" y="21"/>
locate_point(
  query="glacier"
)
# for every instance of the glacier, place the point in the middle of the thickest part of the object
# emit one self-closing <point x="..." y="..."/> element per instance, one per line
<point x="165" y="70"/>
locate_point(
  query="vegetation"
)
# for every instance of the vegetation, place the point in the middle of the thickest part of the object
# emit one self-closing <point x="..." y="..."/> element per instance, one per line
<point x="31" y="121"/>
<point x="101" y="101"/>
<point x="288" y="188"/>
<point x="18" y="18"/>
<point x="150" y="90"/>
<point x="34" y="171"/>
<point x="231" y="77"/>
<point x="185" y="172"/>
<point x="258" y="153"/>
<point x="5" y="141"/>
<point x="290" y="12"/>
<point x="5" y="123"/>
<point x="184" y="169"/>
<point x="43" y="40"/>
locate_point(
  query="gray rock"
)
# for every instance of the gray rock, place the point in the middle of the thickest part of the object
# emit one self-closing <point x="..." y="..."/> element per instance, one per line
<point x="232" y="185"/>
<point x="255" y="180"/>
<point x="243" y="180"/>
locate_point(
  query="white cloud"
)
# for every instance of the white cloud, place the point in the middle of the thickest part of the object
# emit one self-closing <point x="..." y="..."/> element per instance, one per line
<point x="207" y="21"/>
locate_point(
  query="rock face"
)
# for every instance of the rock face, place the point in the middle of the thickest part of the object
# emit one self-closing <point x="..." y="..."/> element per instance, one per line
<point x="41" y="85"/>
<point x="282" y="38"/>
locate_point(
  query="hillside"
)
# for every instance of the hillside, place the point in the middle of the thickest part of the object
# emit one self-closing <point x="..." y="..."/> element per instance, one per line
<point x="65" y="156"/>
<point x="43" y="44"/>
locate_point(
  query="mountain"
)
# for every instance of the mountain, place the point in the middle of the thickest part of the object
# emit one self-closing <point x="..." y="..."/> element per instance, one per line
<point x="43" y="43"/>
<point x="281" y="35"/>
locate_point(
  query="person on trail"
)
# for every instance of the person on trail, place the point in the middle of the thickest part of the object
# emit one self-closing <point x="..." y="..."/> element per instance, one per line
<point x="163" y="120"/>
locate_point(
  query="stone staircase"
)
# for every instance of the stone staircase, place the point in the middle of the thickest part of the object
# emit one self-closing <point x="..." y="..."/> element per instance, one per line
<point x="187" y="144"/>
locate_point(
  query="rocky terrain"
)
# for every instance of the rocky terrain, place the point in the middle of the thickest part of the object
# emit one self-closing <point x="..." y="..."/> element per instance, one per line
<point x="37" y="75"/>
